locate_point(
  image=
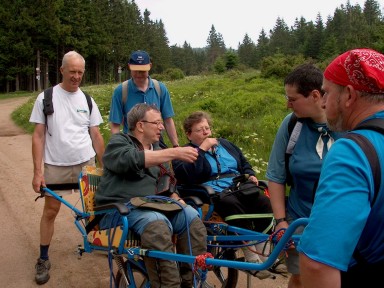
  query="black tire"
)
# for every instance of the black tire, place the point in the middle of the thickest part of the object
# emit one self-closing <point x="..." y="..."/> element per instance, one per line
<point x="140" y="278"/>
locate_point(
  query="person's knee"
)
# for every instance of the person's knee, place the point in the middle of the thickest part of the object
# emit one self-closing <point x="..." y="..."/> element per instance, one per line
<point x="51" y="208"/>
<point x="191" y="213"/>
<point x="157" y="235"/>
<point x="157" y="227"/>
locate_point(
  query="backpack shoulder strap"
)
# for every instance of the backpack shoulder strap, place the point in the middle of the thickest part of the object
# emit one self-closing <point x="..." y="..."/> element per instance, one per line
<point x="369" y="150"/>
<point x="157" y="87"/>
<point x="89" y="102"/>
<point x="124" y="94"/>
<point x="47" y="102"/>
<point x="294" y="129"/>
<point x="48" y="105"/>
<point x="372" y="124"/>
<point x="371" y="154"/>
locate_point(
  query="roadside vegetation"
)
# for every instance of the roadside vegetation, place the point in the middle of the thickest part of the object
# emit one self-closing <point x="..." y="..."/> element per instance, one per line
<point x="246" y="109"/>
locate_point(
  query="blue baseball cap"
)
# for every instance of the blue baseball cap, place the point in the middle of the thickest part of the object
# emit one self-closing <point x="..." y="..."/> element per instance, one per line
<point x="139" y="61"/>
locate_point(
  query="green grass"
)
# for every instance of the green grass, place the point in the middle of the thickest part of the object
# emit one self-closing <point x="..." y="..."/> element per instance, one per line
<point x="246" y="109"/>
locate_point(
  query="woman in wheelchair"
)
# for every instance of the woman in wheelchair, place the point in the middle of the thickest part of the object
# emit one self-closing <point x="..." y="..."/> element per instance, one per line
<point x="133" y="164"/>
<point x="218" y="163"/>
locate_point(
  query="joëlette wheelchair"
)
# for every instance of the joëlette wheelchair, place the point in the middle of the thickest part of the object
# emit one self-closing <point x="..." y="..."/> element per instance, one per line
<point x="123" y="247"/>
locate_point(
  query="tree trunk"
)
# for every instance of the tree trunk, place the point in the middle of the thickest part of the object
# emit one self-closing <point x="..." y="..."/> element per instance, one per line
<point x="38" y="70"/>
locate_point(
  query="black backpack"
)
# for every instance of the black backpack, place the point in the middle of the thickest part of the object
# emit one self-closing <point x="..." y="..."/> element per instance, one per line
<point x="357" y="275"/>
<point x="48" y="104"/>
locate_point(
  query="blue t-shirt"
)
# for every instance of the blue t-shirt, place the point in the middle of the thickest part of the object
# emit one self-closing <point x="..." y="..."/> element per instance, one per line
<point x="342" y="211"/>
<point x="118" y="113"/>
<point x="304" y="164"/>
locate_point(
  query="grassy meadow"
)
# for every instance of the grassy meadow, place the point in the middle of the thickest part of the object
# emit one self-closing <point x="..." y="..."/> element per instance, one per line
<point x="246" y="109"/>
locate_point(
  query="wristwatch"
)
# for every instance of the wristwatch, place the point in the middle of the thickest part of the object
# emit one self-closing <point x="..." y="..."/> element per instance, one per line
<point x="277" y="221"/>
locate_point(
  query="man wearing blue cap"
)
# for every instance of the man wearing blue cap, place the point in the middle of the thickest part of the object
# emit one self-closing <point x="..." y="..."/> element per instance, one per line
<point x="141" y="89"/>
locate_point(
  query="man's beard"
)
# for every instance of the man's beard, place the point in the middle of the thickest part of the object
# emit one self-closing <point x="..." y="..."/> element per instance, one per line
<point x="336" y="124"/>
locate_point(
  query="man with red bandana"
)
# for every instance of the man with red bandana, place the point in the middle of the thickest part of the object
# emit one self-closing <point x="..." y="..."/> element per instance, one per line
<point x="343" y="244"/>
<point x="68" y="141"/>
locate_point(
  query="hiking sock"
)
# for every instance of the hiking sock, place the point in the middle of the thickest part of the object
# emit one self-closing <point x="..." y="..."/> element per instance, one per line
<point x="44" y="252"/>
<point x="249" y="255"/>
<point x="263" y="249"/>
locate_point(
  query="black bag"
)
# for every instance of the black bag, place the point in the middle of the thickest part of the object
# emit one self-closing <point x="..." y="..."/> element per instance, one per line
<point x="242" y="187"/>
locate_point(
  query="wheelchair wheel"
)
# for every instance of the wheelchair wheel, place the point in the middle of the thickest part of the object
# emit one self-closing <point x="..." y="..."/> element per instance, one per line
<point x="219" y="276"/>
<point x="140" y="278"/>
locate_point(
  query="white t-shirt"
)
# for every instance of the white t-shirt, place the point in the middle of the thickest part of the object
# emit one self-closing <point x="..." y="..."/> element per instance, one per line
<point x="67" y="140"/>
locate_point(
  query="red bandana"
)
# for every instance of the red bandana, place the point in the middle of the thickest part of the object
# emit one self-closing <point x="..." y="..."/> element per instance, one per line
<point x="361" y="68"/>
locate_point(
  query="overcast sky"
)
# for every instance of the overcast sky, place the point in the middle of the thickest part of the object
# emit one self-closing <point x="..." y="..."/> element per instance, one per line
<point x="191" y="20"/>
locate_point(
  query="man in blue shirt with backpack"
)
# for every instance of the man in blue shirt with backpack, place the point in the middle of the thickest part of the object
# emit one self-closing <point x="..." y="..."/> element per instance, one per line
<point x="343" y="244"/>
<point x="142" y="89"/>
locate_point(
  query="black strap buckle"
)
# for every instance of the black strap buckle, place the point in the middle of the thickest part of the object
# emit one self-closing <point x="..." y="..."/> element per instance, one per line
<point x="42" y="193"/>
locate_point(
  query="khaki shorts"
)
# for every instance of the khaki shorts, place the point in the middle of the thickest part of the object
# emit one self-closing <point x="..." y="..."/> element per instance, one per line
<point x="292" y="255"/>
<point x="64" y="175"/>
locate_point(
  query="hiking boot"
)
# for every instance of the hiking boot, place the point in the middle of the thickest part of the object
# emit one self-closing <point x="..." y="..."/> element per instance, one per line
<point x="262" y="274"/>
<point x="42" y="271"/>
<point x="279" y="268"/>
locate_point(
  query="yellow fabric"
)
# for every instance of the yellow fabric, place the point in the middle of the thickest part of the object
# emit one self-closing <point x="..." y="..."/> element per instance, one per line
<point x="89" y="181"/>
<point x="103" y="238"/>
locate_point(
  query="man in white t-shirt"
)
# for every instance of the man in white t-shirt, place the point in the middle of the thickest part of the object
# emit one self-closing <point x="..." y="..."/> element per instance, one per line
<point x="68" y="141"/>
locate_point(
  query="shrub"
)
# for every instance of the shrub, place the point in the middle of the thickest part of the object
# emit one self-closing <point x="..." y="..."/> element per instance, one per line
<point x="280" y="65"/>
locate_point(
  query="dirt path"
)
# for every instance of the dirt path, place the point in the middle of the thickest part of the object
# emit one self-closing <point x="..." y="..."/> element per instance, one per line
<point x="20" y="217"/>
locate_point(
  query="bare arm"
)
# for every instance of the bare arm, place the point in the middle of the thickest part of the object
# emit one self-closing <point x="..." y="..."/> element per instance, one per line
<point x="115" y="128"/>
<point x="38" y="142"/>
<point x="171" y="131"/>
<point x="153" y="158"/>
<point x="317" y="275"/>
<point x="98" y="143"/>
<point x="277" y="196"/>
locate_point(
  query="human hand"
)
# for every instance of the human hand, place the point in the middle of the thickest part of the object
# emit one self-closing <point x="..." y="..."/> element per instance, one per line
<point x="187" y="154"/>
<point x="38" y="182"/>
<point x="280" y="230"/>
<point x="176" y="197"/>
<point x="208" y="143"/>
<point x="253" y="179"/>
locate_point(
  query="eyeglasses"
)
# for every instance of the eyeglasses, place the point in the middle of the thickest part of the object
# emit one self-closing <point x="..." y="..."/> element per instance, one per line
<point x="289" y="100"/>
<point x="202" y="129"/>
<point x="159" y="124"/>
<point x="292" y="100"/>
